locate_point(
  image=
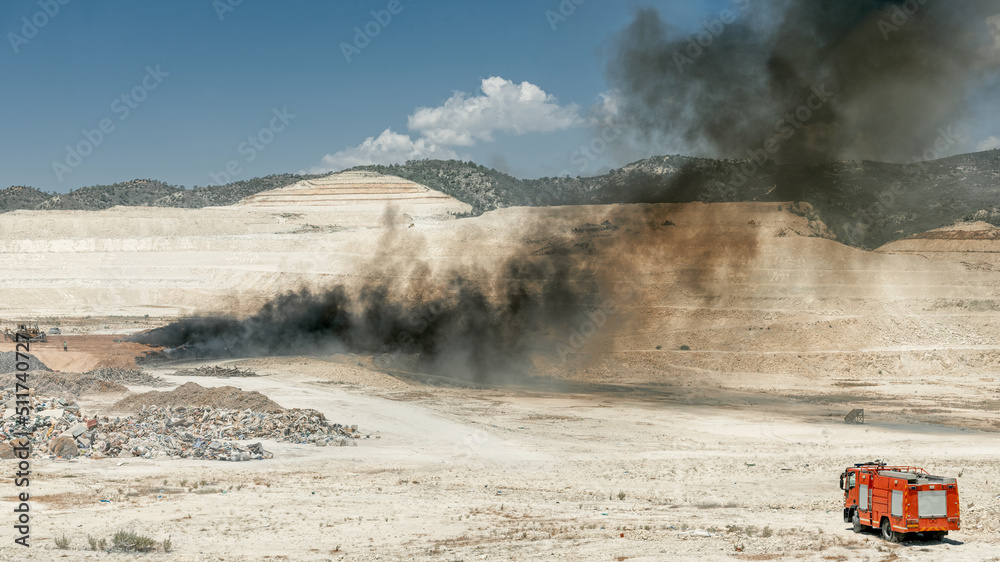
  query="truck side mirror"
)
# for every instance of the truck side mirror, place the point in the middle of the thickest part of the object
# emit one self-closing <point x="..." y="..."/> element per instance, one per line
<point x="841" y="481"/>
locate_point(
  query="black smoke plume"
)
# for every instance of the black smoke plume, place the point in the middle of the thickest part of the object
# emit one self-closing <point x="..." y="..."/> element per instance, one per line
<point x="474" y="325"/>
<point x="568" y="286"/>
<point x="806" y="81"/>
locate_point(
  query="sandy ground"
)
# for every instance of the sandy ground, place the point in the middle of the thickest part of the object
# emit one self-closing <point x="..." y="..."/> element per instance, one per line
<point x="703" y="421"/>
<point x="520" y="474"/>
<point x="83" y="353"/>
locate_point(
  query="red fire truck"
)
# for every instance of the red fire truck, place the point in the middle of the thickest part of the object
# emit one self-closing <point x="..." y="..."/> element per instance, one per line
<point x="900" y="501"/>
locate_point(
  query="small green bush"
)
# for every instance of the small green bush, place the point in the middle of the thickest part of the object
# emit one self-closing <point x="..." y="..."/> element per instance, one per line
<point x="130" y="541"/>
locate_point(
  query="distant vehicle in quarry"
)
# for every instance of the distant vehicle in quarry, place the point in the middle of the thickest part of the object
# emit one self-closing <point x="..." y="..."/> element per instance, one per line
<point x="25" y="332"/>
<point x="900" y="501"/>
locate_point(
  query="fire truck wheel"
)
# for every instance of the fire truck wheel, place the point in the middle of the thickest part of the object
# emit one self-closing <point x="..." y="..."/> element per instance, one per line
<point x="889" y="534"/>
<point x="857" y="522"/>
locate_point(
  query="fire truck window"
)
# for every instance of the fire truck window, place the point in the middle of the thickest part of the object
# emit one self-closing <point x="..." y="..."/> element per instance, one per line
<point x="932" y="503"/>
<point x="897" y="503"/>
<point x="850" y="481"/>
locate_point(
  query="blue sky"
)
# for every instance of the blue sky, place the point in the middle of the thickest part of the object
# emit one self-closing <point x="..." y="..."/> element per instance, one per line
<point x="265" y="87"/>
<point x="228" y="74"/>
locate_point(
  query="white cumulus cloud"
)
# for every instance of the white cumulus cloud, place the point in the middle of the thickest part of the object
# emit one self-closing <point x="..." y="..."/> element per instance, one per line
<point x="988" y="144"/>
<point x="387" y="148"/>
<point x="503" y="107"/>
<point x="463" y="120"/>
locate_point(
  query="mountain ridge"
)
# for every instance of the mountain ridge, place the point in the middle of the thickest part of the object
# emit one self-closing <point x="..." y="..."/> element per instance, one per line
<point x="863" y="203"/>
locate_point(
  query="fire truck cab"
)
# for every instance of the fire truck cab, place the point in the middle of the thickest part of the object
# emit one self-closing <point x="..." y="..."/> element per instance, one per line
<point x="900" y="501"/>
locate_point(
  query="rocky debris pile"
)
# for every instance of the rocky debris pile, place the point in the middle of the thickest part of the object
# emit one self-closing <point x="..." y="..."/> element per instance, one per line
<point x="193" y="394"/>
<point x="135" y="377"/>
<point x="63" y="385"/>
<point x="207" y="433"/>
<point x="9" y="360"/>
<point x="58" y="429"/>
<point x="74" y="385"/>
<point x="55" y="424"/>
<point x="216" y="371"/>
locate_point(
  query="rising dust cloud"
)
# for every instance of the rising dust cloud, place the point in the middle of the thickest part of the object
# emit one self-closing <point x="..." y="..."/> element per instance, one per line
<point x="478" y="326"/>
<point x="482" y="325"/>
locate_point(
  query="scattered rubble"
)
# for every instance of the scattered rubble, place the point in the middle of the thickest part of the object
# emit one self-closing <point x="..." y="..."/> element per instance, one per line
<point x="216" y="371"/>
<point x="9" y="360"/>
<point x="50" y="419"/>
<point x="193" y="394"/>
<point x="58" y="429"/>
<point x="64" y="385"/>
<point x="74" y="385"/>
<point x="135" y="377"/>
<point x="193" y="432"/>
